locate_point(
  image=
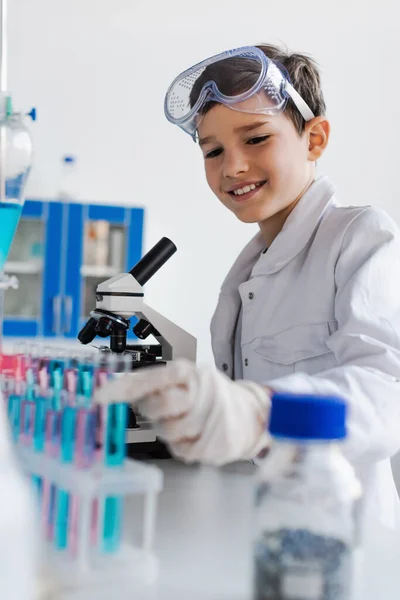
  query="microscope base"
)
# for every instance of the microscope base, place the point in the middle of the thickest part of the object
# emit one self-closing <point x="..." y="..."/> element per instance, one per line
<point x="148" y="450"/>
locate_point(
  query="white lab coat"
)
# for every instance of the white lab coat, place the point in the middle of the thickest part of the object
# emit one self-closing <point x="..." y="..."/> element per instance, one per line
<point x="321" y="314"/>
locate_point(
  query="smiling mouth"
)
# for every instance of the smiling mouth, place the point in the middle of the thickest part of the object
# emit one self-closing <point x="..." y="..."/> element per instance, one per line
<point x="247" y="191"/>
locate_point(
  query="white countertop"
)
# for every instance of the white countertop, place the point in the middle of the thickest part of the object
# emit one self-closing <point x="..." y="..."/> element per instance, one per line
<point x="203" y="539"/>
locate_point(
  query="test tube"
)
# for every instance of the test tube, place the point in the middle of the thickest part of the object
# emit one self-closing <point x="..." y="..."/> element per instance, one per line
<point x="56" y="369"/>
<point x="101" y="374"/>
<point x="84" y="455"/>
<point x="67" y="450"/>
<point x="28" y="417"/>
<point x="32" y="360"/>
<point x="14" y="389"/>
<point x="84" y="458"/>
<point x="23" y="375"/>
<point x="19" y="370"/>
<point x="66" y="503"/>
<point x="70" y="382"/>
<point x="7" y="386"/>
<point x="85" y="438"/>
<point x="66" y="512"/>
<point x="14" y="414"/>
<point x="114" y="456"/>
<point x="52" y="449"/>
<point x="53" y="433"/>
<point x="37" y="406"/>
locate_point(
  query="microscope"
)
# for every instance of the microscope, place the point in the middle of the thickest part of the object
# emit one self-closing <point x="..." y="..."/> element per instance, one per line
<point x="117" y="300"/>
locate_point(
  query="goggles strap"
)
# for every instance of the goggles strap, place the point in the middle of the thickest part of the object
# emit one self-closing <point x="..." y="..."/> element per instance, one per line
<point x="301" y="105"/>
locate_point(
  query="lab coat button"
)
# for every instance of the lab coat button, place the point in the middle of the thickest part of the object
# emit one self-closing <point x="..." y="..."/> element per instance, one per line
<point x="251" y="296"/>
<point x="224" y="367"/>
<point x="246" y="362"/>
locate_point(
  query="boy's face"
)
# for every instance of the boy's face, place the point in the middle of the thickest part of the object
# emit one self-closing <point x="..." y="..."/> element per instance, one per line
<point x="243" y="150"/>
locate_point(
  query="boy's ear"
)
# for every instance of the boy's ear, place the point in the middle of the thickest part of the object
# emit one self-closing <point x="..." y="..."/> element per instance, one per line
<point x="317" y="130"/>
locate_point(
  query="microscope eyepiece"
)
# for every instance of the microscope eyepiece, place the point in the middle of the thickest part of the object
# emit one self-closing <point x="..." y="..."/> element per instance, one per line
<point x="153" y="260"/>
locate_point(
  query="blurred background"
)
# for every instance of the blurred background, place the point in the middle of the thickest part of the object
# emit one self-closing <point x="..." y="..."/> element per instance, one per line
<point x="97" y="72"/>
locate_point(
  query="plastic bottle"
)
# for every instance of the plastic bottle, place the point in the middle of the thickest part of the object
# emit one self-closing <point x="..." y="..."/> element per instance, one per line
<point x="307" y="504"/>
<point x="68" y="187"/>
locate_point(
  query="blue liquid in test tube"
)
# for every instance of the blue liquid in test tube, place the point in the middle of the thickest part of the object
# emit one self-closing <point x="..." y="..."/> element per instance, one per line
<point x="39" y="434"/>
<point x="37" y="484"/>
<point x="39" y="437"/>
<point x="14" y="414"/>
<point x="114" y="456"/>
<point x="85" y="384"/>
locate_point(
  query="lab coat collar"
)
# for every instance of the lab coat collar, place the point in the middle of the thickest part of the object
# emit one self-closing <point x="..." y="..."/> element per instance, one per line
<point x="295" y="234"/>
<point x="298" y="227"/>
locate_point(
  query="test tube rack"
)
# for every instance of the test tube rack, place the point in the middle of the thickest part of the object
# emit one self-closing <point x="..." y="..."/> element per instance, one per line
<point x="89" y="571"/>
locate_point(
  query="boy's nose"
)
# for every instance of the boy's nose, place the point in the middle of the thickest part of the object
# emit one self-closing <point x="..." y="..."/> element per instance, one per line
<point x="234" y="164"/>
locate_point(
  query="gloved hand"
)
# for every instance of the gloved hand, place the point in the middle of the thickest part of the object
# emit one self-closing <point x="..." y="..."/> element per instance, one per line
<point x="200" y="412"/>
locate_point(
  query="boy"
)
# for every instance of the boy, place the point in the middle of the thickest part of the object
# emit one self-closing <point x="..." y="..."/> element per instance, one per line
<point x="311" y="305"/>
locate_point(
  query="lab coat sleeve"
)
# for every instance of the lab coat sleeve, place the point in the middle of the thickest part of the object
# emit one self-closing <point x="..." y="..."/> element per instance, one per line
<point x="366" y="344"/>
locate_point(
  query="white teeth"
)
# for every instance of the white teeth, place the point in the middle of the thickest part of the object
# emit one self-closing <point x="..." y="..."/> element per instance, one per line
<point x="246" y="188"/>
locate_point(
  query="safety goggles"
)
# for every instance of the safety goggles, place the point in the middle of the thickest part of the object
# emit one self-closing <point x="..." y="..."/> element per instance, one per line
<point x="253" y="83"/>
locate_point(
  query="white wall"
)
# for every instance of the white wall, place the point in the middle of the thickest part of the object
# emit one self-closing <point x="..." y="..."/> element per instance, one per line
<point x="98" y="70"/>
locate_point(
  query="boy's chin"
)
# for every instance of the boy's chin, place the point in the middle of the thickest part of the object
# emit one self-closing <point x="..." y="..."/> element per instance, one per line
<point x="248" y="220"/>
<point x="250" y="216"/>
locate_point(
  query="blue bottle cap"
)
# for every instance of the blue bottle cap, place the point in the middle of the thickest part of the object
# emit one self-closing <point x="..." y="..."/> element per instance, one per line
<point x="69" y="159"/>
<point x="307" y="417"/>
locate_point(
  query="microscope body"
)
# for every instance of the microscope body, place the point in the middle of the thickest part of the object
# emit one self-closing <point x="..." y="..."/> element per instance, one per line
<point x="117" y="300"/>
<point x="122" y="295"/>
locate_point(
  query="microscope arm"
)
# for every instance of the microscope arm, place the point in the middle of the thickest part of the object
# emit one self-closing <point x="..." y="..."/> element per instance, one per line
<point x="175" y="341"/>
<point x="123" y="296"/>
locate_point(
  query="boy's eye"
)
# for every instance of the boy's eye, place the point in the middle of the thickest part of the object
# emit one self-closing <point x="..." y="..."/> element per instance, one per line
<point x="257" y="140"/>
<point x="251" y="142"/>
<point x="213" y="153"/>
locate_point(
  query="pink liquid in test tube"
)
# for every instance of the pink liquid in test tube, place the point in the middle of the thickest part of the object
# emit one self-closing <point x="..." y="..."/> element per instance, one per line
<point x="85" y="456"/>
<point x="101" y="425"/>
<point x="70" y="385"/>
<point x="52" y="448"/>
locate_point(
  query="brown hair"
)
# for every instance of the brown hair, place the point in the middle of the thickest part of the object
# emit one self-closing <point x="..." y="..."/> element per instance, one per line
<point x="234" y="75"/>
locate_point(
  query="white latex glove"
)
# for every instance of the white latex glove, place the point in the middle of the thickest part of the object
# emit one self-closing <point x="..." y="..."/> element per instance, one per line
<point x="200" y="412"/>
